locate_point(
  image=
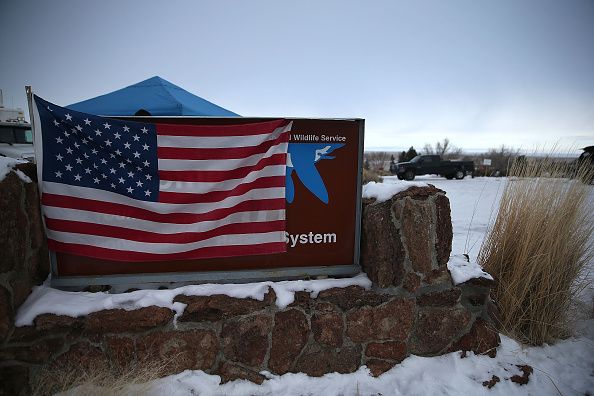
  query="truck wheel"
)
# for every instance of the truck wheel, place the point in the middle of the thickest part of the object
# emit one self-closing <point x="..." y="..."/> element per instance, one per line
<point x="400" y="177"/>
<point x="409" y="175"/>
<point x="459" y="175"/>
<point x="449" y="176"/>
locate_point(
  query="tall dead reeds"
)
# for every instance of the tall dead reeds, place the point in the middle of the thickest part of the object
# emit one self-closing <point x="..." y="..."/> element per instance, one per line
<point x="538" y="247"/>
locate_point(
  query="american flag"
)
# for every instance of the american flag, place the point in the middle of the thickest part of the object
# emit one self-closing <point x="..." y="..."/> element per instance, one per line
<point x="130" y="191"/>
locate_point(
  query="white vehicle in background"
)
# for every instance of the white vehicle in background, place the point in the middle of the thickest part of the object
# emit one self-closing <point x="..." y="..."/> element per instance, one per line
<point x="16" y="137"/>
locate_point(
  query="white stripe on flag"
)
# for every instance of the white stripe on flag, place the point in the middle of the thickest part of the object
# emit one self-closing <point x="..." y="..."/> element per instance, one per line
<point x="158" y="207"/>
<point x="204" y="187"/>
<point x="159" y="227"/>
<point x="219" y="165"/>
<point x="217" y="141"/>
<point x="166" y="248"/>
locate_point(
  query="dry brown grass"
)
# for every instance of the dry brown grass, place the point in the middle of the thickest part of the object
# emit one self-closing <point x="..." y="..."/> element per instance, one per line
<point x="537" y="249"/>
<point x="369" y="175"/>
<point x="100" y="380"/>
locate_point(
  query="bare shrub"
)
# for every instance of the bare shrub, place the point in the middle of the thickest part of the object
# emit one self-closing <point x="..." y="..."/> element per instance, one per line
<point x="377" y="160"/>
<point x="501" y="159"/>
<point x="134" y="379"/>
<point x="369" y="175"/>
<point x="445" y="149"/>
<point x="537" y="249"/>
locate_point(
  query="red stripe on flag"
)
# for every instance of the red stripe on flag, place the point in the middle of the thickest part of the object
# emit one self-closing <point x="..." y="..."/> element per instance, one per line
<point x="202" y="253"/>
<point x="80" y="227"/>
<point x="257" y="128"/>
<point x="92" y="205"/>
<point x="216" y="196"/>
<point x="219" y="176"/>
<point x="192" y="153"/>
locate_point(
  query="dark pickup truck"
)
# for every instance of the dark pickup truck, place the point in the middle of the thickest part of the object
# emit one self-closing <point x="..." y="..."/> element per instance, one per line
<point x="432" y="165"/>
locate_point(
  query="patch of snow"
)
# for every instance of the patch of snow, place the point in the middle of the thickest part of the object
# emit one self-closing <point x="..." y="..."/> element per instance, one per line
<point x="384" y="191"/>
<point x="7" y="165"/>
<point x="44" y="299"/>
<point x="463" y="270"/>
<point x="22" y="176"/>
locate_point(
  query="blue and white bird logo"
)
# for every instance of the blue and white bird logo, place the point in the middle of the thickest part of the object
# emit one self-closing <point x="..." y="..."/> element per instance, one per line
<point x="302" y="159"/>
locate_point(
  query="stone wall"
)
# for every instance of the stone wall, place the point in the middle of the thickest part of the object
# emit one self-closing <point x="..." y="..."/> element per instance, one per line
<point x="23" y="248"/>
<point x="413" y="308"/>
<point x="339" y="331"/>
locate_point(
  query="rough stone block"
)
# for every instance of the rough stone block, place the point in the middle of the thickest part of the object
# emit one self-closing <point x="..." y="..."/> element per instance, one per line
<point x="21" y="288"/>
<point x="389" y="350"/>
<point x="417" y="234"/>
<point x="39" y="352"/>
<point x="412" y="282"/>
<point x="14" y="233"/>
<point x="217" y="307"/>
<point x="480" y="282"/>
<point x="302" y="300"/>
<point x="51" y="322"/>
<point x="391" y="321"/>
<point x="179" y="350"/>
<point x="230" y="372"/>
<point x="438" y="276"/>
<point x="120" y="320"/>
<point x="25" y="334"/>
<point x="37" y="263"/>
<point x="411" y="230"/>
<point x="245" y="339"/>
<point x="378" y="367"/>
<point x="14" y="381"/>
<point x="436" y="328"/>
<point x="442" y="298"/>
<point x="419" y="193"/>
<point x="351" y="297"/>
<point x="317" y="360"/>
<point x="327" y="327"/>
<point x="477" y="299"/>
<point x="481" y="339"/>
<point x="289" y="336"/>
<point x="382" y="253"/>
<point x="443" y="229"/>
<point x="80" y="358"/>
<point x="6" y="313"/>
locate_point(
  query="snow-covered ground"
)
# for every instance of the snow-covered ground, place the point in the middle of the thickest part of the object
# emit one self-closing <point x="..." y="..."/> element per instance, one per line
<point x="565" y="368"/>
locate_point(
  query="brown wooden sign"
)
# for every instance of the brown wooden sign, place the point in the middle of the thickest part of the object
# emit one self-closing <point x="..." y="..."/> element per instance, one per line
<point x="323" y="207"/>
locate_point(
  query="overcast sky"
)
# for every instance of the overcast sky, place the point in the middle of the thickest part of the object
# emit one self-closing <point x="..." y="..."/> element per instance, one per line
<point x="482" y="73"/>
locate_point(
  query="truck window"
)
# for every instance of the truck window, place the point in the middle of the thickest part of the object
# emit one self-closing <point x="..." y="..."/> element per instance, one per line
<point x="6" y="135"/>
<point x="23" y="135"/>
<point x="29" y="136"/>
<point x="11" y="134"/>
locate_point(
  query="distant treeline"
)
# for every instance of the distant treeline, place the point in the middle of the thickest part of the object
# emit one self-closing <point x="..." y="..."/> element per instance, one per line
<point x="501" y="158"/>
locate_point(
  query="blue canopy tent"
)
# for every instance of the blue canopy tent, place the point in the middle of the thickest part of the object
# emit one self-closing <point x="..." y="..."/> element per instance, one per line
<point x="156" y="96"/>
